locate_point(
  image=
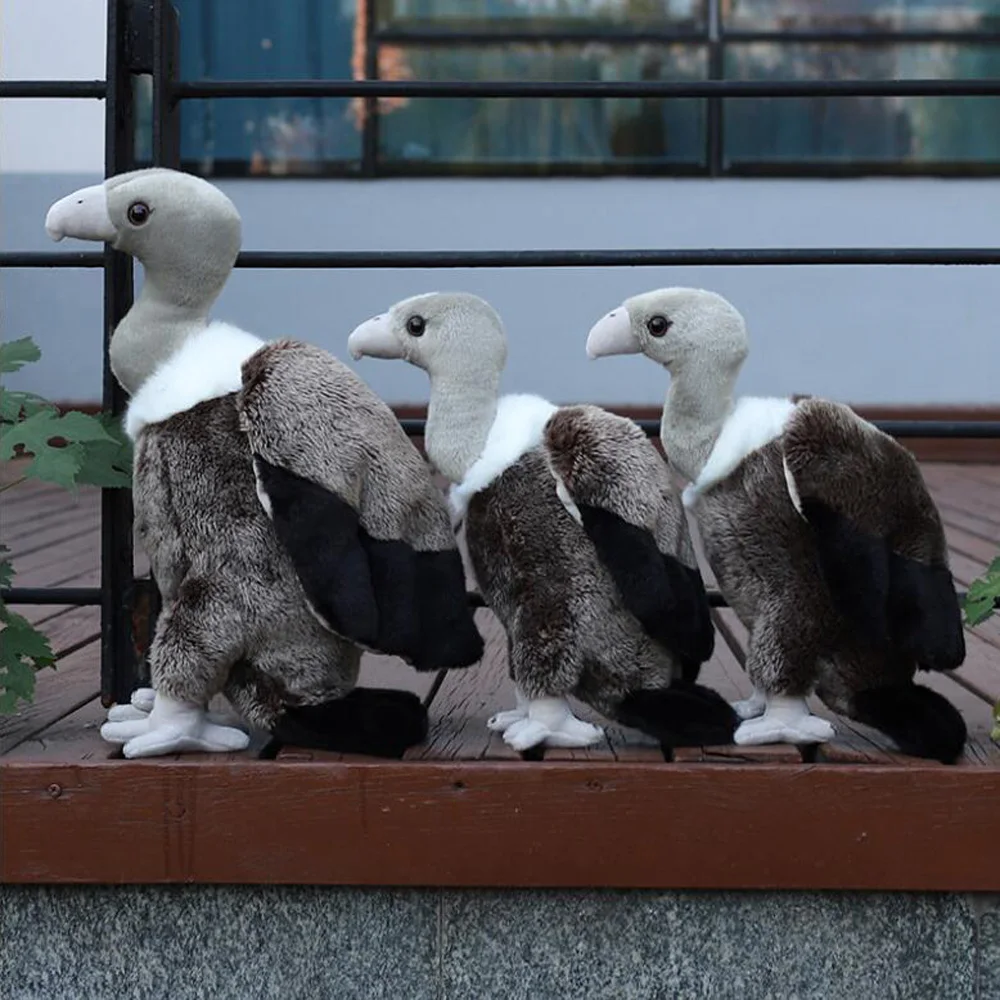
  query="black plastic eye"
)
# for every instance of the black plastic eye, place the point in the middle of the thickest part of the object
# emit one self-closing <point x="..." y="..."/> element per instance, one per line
<point x="658" y="325"/>
<point x="415" y="326"/>
<point x="138" y="213"/>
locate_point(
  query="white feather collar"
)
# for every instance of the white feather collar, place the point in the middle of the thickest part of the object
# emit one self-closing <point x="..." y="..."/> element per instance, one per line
<point x="517" y="428"/>
<point x="754" y="422"/>
<point x="207" y="366"/>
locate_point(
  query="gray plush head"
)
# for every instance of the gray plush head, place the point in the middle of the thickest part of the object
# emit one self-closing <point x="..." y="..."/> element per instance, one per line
<point x="187" y="235"/>
<point x="448" y="334"/>
<point x="458" y="339"/>
<point x="674" y="326"/>
<point x="185" y="231"/>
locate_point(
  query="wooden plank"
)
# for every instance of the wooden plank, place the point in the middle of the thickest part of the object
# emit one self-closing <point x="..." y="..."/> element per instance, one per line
<point x="58" y="692"/>
<point x="73" y="739"/>
<point x="488" y="823"/>
<point x="71" y="558"/>
<point x="466" y="700"/>
<point x="52" y="537"/>
<point x="67" y="508"/>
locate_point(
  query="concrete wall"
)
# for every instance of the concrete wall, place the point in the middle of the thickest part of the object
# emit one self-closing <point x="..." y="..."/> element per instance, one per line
<point x="886" y="334"/>
<point x="304" y="943"/>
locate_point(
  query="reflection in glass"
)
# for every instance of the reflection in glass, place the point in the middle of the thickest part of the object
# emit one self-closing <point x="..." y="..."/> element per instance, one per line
<point x="540" y="15"/>
<point x="478" y="130"/>
<point x="833" y="15"/>
<point x="863" y="129"/>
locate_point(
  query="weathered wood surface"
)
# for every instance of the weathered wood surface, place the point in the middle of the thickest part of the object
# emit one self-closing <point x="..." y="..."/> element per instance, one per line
<point x="64" y="550"/>
<point x="490" y="823"/>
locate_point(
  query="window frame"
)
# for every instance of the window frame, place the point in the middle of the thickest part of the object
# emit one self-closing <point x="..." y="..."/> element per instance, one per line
<point x="712" y="36"/>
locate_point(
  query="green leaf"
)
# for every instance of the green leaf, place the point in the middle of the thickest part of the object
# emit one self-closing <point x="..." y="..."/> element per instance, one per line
<point x="58" y="465"/>
<point x="976" y="612"/>
<point x="106" y="464"/>
<point x="23" y="651"/>
<point x="12" y="404"/>
<point x="35" y="433"/>
<point x="6" y="568"/>
<point x="15" y="354"/>
<point x="994" y="569"/>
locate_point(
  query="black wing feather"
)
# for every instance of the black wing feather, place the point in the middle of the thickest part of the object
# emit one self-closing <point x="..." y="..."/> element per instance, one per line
<point x="667" y="597"/>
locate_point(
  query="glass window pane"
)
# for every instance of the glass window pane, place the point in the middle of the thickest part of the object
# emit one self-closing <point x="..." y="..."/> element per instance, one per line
<point x="913" y="130"/>
<point x="263" y="40"/>
<point x="832" y="15"/>
<point x="524" y="131"/>
<point x="540" y="15"/>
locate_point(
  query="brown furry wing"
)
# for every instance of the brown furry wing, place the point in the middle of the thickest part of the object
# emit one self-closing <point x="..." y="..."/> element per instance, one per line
<point x="634" y="517"/>
<point x="354" y="505"/>
<point x="879" y="537"/>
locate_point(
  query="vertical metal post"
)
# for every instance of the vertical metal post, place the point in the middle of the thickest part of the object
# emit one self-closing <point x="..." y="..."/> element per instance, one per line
<point x="716" y="71"/>
<point x="166" y="113"/>
<point x="117" y="653"/>
<point x="369" y="132"/>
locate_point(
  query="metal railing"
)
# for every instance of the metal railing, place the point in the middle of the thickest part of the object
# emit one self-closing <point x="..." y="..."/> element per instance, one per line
<point x="142" y="39"/>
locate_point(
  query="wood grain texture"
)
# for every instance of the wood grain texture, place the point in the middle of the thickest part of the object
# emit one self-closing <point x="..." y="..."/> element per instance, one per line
<point x="490" y="823"/>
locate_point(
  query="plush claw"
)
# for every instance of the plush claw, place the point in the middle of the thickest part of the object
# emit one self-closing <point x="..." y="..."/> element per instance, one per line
<point x="550" y="721"/>
<point x="784" y="720"/>
<point x="502" y="721"/>
<point x="173" y="727"/>
<point x="143" y="699"/>
<point x="752" y="707"/>
<point x="126" y="713"/>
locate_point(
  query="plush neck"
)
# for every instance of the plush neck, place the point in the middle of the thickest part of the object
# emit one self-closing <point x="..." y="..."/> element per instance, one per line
<point x="171" y="308"/>
<point x="699" y="400"/>
<point x="459" y="416"/>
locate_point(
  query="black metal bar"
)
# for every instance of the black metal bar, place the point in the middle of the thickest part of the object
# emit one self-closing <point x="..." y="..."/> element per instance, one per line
<point x="53" y="88"/>
<point x="369" y="123"/>
<point x="939" y="429"/>
<point x="166" y="113"/>
<point x="861" y="36"/>
<point x="52" y="595"/>
<point x="716" y="71"/>
<point x="611" y="35"/>
<point x="117" y="654"/>
<point x="35" y="258"/>
<point x="590" y="88"/>
<point x="416" y="259"/>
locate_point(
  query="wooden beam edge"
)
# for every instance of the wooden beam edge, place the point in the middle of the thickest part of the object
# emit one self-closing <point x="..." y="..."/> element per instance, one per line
<point x="486" y="824"/>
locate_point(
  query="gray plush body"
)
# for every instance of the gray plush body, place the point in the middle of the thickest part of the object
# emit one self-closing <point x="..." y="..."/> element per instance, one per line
<point x="820" y="531"/>
<point x="568" y="629"/>
<point x="576" y="534"/>
<point x="767" y="560"/>
<point x="235" y="617"/>
<point x="288" y="519"/>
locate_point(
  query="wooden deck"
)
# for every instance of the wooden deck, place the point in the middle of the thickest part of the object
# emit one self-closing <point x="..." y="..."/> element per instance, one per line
<point x="54" y="766"/>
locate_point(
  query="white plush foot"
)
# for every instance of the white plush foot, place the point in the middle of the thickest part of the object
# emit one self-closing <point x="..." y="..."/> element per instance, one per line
<point x="502" y="721"/>
<point x="142" y="704"/>
<point x="172" y="727"/>
<point x="785" y="720"/>
<point x="751" y="707"/>
<point x="552" y="722"/>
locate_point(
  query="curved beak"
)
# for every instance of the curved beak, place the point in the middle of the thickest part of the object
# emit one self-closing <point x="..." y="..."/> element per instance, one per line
<point x="374" y="339"/>
<point x="612" y="335"/>
<point x="82" y="214"/>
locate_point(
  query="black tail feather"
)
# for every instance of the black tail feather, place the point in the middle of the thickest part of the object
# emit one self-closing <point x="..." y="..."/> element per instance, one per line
<point x="374" y="721"/>
<point x="920" y="721"/>
<point x="682" y="715"/>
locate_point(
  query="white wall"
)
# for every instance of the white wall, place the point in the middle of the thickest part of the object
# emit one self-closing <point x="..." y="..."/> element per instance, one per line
<point x="52" y="40"/>
<point x="878" y="334"/>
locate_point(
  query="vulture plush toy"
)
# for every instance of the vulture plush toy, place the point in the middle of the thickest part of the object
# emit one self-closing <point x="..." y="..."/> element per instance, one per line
<point x="578" y="542"/>
<point x="819" y="529"/>
<point x="288" y="520"/>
